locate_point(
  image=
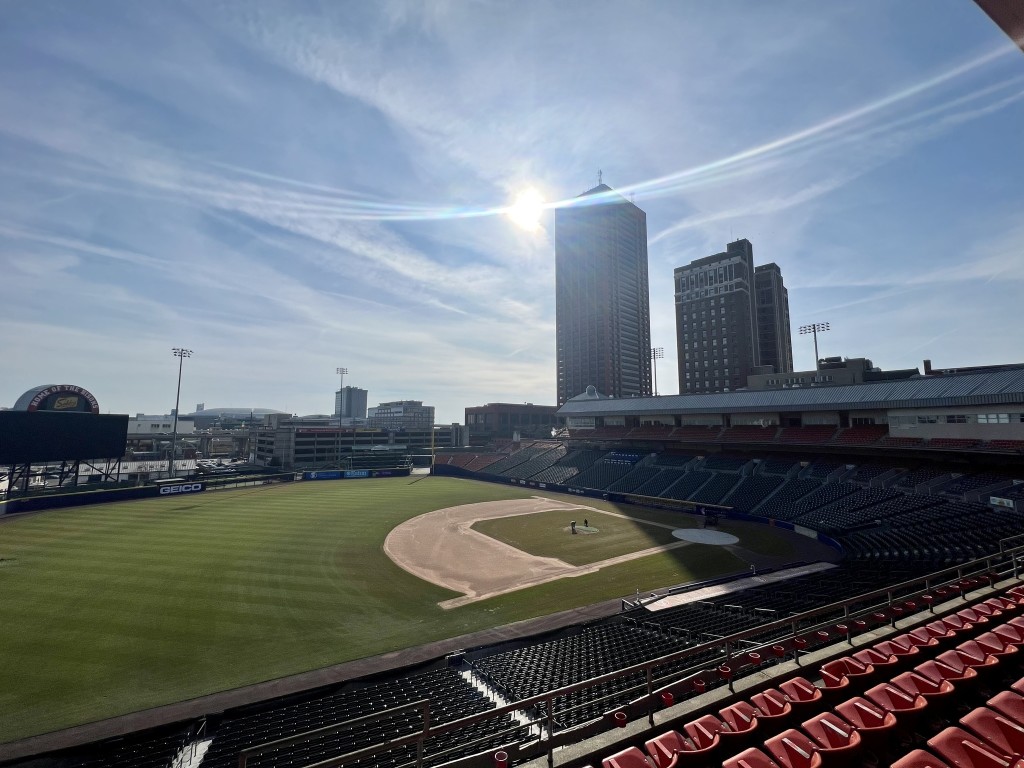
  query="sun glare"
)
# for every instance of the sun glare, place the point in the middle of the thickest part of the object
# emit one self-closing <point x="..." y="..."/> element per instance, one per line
<point x="527" y="209"/>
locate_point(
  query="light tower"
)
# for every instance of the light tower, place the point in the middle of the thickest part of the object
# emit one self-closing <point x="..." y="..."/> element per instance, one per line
<point x="814" y="328"/>
<point x="657" y="353"/>
<point x="181" y="353"/>
<point x="341" y="408"/>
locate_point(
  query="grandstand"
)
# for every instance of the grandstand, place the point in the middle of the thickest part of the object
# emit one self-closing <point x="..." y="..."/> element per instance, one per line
<point x="920" y="528"/>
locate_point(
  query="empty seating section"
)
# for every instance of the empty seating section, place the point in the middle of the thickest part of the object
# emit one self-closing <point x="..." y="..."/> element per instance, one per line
<point x="1014" y="492"/>
<point x="568" y="466"/>
<point x="826" y="494"/>
<point x="822" y="469"/>
<point x="1011" y="446"/>
<point x="653" y="431"/>
<point x="849" y="510"/>
<point x="911" y="480"/>
<point x="145" y="750"/>
<point x="861" y="435"/>
<point x="865" y="473"/>
<point x="656" y="485"/>
<point x="593" y="651"/>
<point x="943" y="534"/>
<point x="635" y="480"/>
<point x="781" y="505"/>
<point x="669" y="459"/>
<point x="812" y="435"/>
<point x="451" y="697"/>
<point x="716" y="489"/>
<point x="748" y="434"/>
<point x="696" y="434"/>
<point x="952" y="443"/>
<point x="900" y="442"/>
<point x="537" y="464"/>
<point x="959" y="704"/>
<point x="482" y="461"/>
<point x="523" y="455"/>
<point x="725" y="463"/>
<point x="601" y="474"/>
<point x="752" y="491"/>
<point x="777" y="466"/>
<point x="687" y="485"/>
<point x="967" y="483"/>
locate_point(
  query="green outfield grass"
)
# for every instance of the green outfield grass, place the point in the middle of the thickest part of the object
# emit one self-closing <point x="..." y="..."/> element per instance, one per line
<point x="547" y="534"/>
<point x="114" y="608"/>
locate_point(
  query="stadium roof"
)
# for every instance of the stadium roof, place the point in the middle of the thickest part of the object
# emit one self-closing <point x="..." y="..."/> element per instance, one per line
<point x="994" y="388"/>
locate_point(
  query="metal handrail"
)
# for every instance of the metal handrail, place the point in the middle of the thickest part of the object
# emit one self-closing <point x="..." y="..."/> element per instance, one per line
<point x="792" y="624"/>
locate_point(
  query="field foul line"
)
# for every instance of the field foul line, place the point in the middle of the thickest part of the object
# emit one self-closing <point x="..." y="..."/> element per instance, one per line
<point x="570" y="571"/>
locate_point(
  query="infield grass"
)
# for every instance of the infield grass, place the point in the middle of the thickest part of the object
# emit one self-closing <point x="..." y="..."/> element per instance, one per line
<point x="548" y="534"/>
<point x="114" y="608"/>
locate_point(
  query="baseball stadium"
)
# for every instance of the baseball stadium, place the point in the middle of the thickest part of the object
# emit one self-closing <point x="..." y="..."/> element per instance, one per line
<point x="641" y="589"/>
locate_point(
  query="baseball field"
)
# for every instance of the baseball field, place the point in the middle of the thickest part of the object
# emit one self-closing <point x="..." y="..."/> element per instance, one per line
<point x="114" y="608"/>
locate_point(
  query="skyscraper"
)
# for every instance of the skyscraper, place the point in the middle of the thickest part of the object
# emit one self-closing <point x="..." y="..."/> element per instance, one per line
<point x="730" y="318"/>
<point x="773" y="330"/>
<point x="602" y="310"/>
<point x="350" y="403"/>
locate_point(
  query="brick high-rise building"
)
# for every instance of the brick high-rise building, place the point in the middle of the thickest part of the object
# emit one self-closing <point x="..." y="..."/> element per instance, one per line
<point x="602" y="310"/>
<point x="730" y="318"/>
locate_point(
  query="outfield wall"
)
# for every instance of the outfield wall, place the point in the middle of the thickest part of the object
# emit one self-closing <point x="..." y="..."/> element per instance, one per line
<point x="643" y="501"/>
<point x="162" y="490"/>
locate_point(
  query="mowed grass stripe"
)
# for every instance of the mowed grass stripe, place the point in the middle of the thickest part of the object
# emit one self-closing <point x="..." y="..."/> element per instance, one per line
<point x="114" y="608"/>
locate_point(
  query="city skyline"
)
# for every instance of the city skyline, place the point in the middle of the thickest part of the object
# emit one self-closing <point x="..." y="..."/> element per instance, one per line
<point x="287" y="188"/>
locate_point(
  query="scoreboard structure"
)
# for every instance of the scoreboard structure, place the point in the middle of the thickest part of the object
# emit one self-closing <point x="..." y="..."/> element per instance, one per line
<point x="52" y="431"/>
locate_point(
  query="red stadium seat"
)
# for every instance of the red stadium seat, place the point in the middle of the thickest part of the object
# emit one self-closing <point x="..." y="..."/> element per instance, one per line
<point x="877" y="658"/>
<point x="874" y="724"/>
<point x="851" y="667"/>
<point x="750" y="758"/>
<point x="801" y="693"/>
<point x="1011" y="633"/>
<point x="905" y="706"/>
<point x="997" y="729"/>
<point x="838" y="741"/>
<point x="627" y="758"/>
<point x="961" y="748"/>
<point x="703" y="732"/>
<point x="920" y="759"/>
<point x="997" y="645"/>
<point x="667" y="749"/>
<point x="936" y="671"/>
<point x="794" y="749"/>
<point x="916" y="683"/>
<point x="1010" y="704"/>
<point x="772" y="706"/>
<point x="741" y="721"/>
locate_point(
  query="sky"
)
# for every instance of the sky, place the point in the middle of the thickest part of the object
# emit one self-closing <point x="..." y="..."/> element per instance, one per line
<point x="288" y="188"/>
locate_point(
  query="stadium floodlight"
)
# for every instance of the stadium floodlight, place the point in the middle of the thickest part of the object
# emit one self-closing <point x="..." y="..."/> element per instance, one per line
<point x="814" y="328"/>
<point x="657" y="353"/>
<point x="181" y="353"/>
<point x="341" y="407"/>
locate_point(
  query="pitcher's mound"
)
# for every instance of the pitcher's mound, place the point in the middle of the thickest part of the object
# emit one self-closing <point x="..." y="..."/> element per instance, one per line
<point x="704" y="536"/>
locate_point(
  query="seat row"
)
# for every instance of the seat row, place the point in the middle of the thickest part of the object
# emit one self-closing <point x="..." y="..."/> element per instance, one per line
<point x="875" y="706"/>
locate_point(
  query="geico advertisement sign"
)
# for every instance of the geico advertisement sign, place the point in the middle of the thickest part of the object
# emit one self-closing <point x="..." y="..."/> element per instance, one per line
<point x="187" y="488"/>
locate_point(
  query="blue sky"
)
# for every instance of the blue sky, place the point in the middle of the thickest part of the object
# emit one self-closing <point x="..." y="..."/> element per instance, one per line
<point x="286" y="188"/>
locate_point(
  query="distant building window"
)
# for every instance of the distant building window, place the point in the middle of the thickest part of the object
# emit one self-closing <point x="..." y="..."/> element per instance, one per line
<point x="993" y="418"/>
<point x="958" y="418"/>
<point x="927" y="419"/>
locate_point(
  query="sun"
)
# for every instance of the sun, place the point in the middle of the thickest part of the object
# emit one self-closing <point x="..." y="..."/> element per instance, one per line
<point x="527" y="209"/>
